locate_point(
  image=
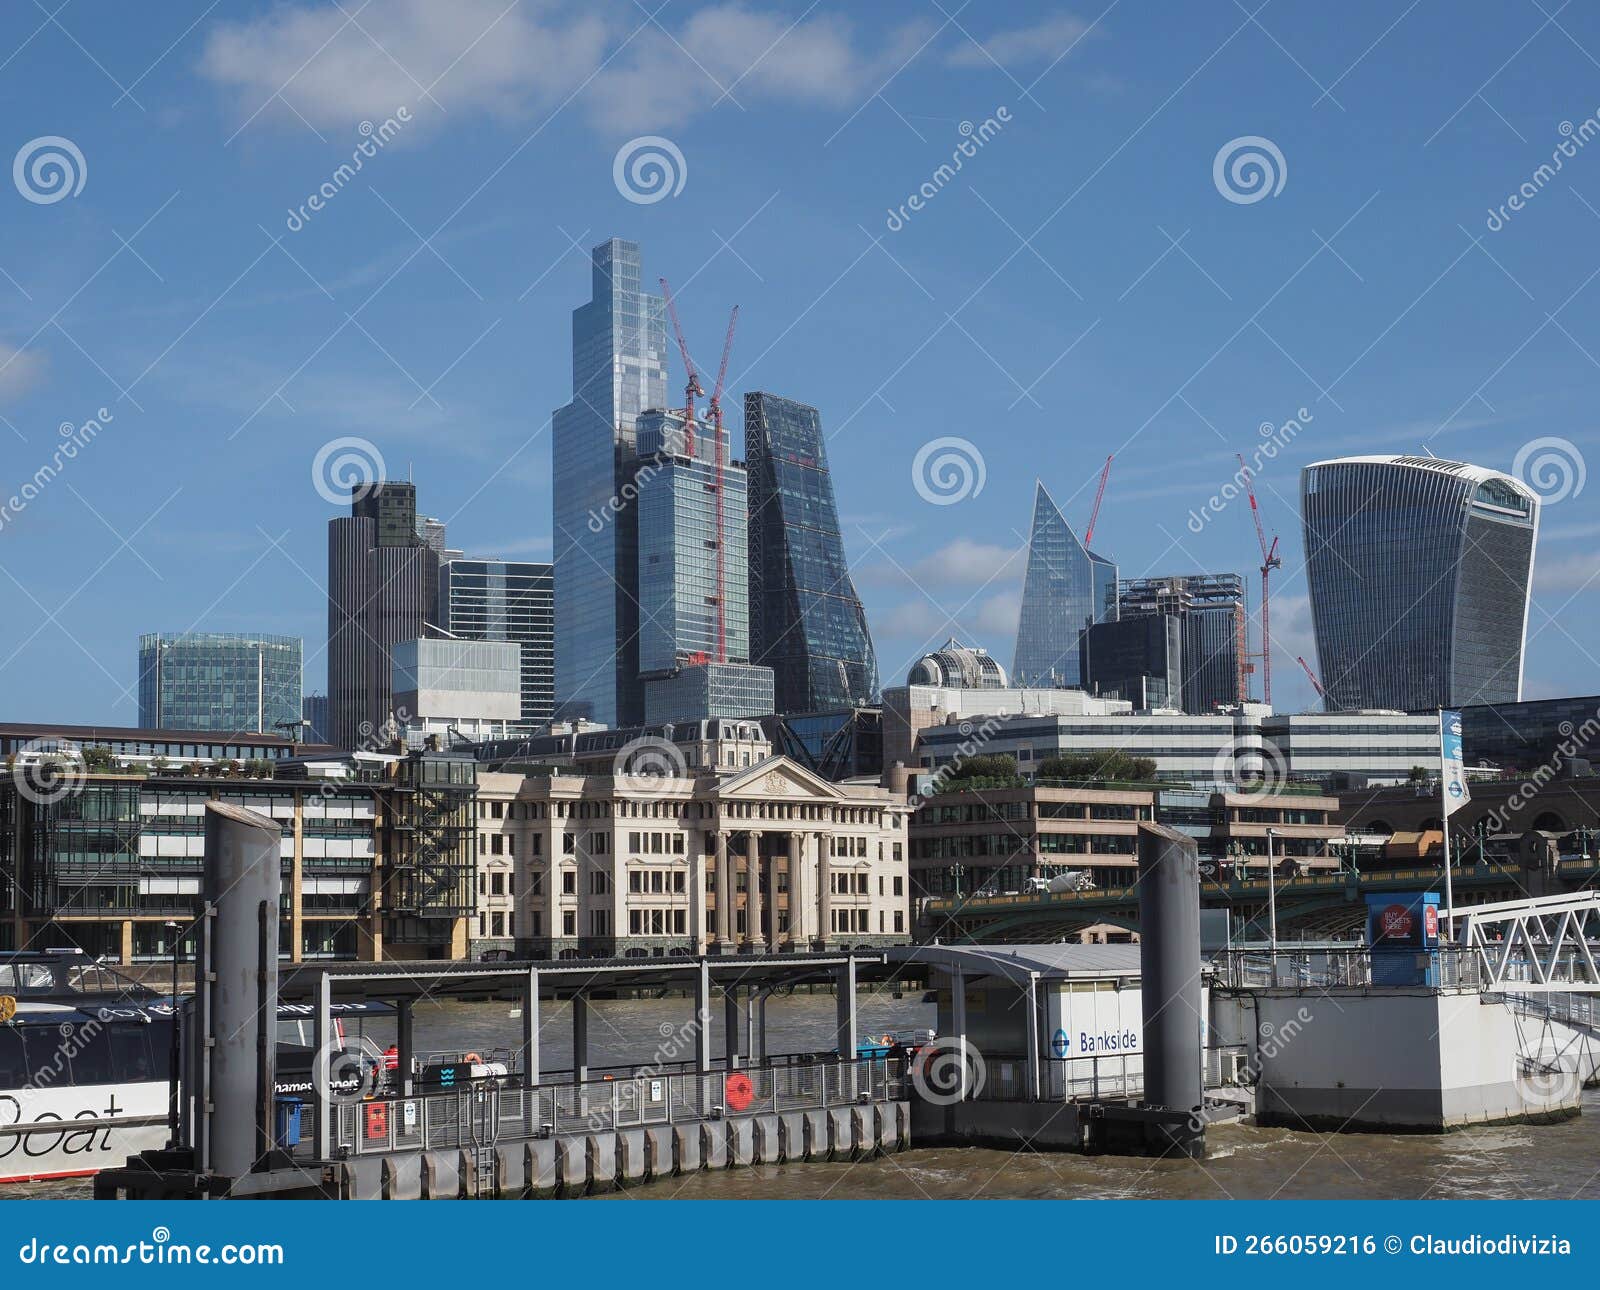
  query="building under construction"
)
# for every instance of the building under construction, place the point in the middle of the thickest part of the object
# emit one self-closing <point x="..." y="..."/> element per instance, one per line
<point x="1205" y="615"/>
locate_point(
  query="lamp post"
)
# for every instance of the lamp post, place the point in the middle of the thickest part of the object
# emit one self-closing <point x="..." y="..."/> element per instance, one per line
<point x="174" y="931"/>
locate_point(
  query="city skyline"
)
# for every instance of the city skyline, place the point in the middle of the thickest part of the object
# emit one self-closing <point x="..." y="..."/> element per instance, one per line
<point x="1172" y="350"/>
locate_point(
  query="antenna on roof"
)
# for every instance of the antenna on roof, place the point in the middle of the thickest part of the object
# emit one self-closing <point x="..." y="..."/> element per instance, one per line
<point x="1428" y="450"/>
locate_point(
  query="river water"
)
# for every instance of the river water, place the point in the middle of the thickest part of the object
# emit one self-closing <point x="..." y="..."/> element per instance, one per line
<point x="1558" y="1161"/>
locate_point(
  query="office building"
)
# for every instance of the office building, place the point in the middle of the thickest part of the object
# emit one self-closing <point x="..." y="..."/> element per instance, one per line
<point x="1537" y="732"/>
<point x="378" y="852"/>
<point x="1419" y="571"/>
<point x="449" y="680"/>
<point x="618" y="370"/>
<point x="847" y="744"/>
<point x="314" y="719"/>
<point x="909" y="710"/>
<point x="806" y="621"/>
<point x="506" y="600"/>
<point x="383" y="585"/>
<point x="219" y="681"/>
<point x="765" y="856"/>
<point x="1139" y="659"/>
<point x="1066" y="588"/>
<point x="697" y="690"/>
<point x="955" y="666"/>
<point x="1211" y="607"/>
<point x="994" y="840"/>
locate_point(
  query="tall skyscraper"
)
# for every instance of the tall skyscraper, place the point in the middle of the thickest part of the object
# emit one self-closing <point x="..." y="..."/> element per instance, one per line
<point x="806" y="621"/>
<point x="506" y="600"/>
<point x="694" y="586"/>
<point x="1211" y="607"/>
<point x="1420" y="571"/>
<point x="1066" y="588"/>
<point x="383" y="583"/>
<point x="619" y="368"/>
<point x="218" y="681"/>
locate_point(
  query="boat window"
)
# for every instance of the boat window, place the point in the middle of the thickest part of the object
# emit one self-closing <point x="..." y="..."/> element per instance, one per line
<point x="13" y="1058"/>
<point x="131" y="1055"/>
<point x="89" y="1047"/>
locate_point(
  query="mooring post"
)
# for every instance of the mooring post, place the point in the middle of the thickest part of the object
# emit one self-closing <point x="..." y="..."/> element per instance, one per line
<point x="958" y="1017"/>
<point x="730" y="1026"/>
<point x="1169" y="966"/>
<point x="844" y="1013"/>
<point x="580" y="1036"/>
<point x="1033" y="1036"/>
<point x="322" y="1066"/>
<point x="405" y="1045"/>
<point x="242" y="879"/>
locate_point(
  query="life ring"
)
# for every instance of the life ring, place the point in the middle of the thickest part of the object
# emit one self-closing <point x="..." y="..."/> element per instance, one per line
<point x="472" y="1059"/>
<point x="740" y="1091"/>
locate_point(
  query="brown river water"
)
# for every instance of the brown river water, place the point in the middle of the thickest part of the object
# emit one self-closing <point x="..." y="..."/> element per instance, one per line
<point x="1559" y="1161"/>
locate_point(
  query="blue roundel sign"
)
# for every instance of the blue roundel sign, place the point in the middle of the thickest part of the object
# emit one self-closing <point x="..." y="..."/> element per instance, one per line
<point x="1060" y="1043"/>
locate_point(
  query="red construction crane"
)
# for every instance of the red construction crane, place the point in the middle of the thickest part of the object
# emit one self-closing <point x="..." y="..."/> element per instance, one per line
<point x="1312" y="677"/>
<point x="692" y="390"/>
<point x="1099" y="496"/>
<point x="1270" y="560"/>
<point x="715" y="409"/>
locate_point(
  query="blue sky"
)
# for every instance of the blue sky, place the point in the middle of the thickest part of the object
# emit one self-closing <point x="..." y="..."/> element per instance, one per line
<point x="1081" y="286"/>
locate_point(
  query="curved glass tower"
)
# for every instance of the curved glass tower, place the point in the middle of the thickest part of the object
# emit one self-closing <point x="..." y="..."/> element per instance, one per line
<point x="1067" y="588"/>
<point x="806" y="621"/>
<point x="1419" y="571"/>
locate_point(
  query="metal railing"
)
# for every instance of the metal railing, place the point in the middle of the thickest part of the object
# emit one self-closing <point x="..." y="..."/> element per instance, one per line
<point x="1090" y="1078"/>
<point x="1448" y="967"/>
<point x="485" y="1112"/>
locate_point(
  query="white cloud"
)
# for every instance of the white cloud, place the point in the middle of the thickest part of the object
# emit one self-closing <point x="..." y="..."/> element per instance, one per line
<point x="476" y="56"/>
<point x="336" y="66"/>
<point x="20" y="370"/>
<point x="965" y="563"/>
<point x="1568" y="573"/>
<point x="1042" y="42"/>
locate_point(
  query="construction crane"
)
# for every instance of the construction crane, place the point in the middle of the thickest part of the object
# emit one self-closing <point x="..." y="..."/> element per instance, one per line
<point x="1099" y="496"/>
<point x="1312" y="677"/>
<point x="714" y="410"/>
<point x="692" y="390"/>
<point x="1270" y="560"/>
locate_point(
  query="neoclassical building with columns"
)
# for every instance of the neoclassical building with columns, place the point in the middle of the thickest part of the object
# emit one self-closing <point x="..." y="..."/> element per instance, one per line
<point x="766" y="858"/>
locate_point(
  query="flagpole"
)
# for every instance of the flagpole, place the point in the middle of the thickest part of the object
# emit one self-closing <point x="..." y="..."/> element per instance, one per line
<point x="1444" y="818"/>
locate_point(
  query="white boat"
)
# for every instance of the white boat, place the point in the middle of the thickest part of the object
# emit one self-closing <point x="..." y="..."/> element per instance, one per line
<point x="83" y="1067"/>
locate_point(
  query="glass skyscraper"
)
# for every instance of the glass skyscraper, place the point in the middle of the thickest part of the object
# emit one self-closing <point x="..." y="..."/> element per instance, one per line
<point x="806" y="621"/>
<point x="218" y="681"/>
<point x="1066" y="588"/>
<point x="506" y="600"/>
<point x="1419" y="571"/>
<point x="619" y="344"/>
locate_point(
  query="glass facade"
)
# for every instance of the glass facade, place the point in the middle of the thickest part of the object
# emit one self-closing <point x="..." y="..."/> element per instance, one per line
<point x="506" y="600"/>
<point x="218" y="681"/>
<point x="1212" y="609"/>
<point x="1419" y="571"/>
<point x="619" y="369"/>
<point x="703" y="690"/>
<point x="679" y="548"/>
<point x="806" y="621"/>
<point x="1067" y="587"/>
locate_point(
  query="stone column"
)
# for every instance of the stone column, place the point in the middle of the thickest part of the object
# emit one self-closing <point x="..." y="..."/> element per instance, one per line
<point x="774" y="867"/>
<point x="752" y="897"/>
<point x="824" y="890"/>
<point x="724" y="894"/>
<point x="799" y="910"/>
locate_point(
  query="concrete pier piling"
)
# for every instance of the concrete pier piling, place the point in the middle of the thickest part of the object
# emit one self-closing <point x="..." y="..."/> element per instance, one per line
<point x="1169" y="962"/>
<point x="233" y="1041"/>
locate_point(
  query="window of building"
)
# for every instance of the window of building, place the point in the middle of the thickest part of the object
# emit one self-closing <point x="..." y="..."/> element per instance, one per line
<point x="569" y="922"/>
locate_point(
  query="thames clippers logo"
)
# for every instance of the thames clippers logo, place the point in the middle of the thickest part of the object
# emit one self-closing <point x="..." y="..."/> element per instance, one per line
<point x="1395" y="923"/>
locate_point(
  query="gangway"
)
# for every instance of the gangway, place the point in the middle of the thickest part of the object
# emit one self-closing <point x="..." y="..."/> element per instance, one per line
<point x="1541" y="945"/>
